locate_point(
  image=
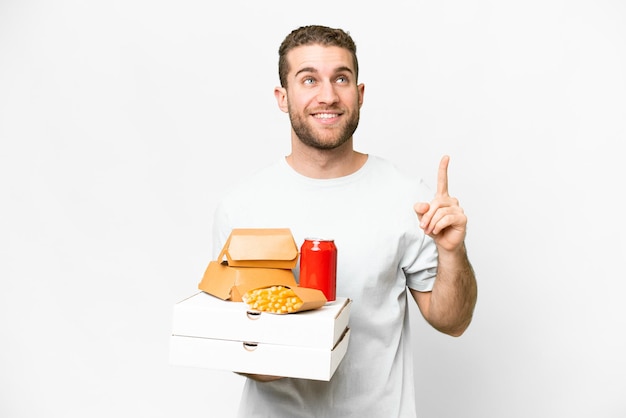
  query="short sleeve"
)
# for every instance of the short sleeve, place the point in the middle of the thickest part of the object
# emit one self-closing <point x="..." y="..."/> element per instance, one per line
<point x="421" y="274"/>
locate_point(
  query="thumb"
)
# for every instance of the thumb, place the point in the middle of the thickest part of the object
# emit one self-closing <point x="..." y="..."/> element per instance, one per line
<point x="421" y="208"/>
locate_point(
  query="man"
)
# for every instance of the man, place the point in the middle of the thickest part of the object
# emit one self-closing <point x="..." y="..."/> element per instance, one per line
<point x="386" y="241"/>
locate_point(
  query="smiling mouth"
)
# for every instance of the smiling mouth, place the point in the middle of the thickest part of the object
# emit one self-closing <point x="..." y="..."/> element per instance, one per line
<point x="325" y="115"/>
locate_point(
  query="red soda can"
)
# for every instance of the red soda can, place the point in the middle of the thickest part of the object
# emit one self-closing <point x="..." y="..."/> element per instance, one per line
<point x="318" y="266"/>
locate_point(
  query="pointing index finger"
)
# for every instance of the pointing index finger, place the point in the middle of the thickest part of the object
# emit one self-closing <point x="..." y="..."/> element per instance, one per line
<point x="442" y="177"/>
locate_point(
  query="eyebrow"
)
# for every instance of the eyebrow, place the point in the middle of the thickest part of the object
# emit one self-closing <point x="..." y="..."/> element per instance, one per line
<point x="314" y="70"/>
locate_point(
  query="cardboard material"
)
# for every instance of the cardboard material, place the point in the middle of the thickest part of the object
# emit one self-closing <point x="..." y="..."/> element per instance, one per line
<point x="261" y="247"/>
<point x="203" y="315"/>
<point x="215" y="329"/>
<point x="231" y="283"/>
<point x="209" y="332"/>
<point x="259" y="358"/>
<point x="254" y="258"/>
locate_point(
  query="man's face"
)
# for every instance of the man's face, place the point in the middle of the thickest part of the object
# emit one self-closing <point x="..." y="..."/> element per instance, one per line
<point x="322" y="97"/>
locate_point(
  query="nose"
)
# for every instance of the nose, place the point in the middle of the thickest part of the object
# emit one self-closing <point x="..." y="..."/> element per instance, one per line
<point x="327" y="93"/>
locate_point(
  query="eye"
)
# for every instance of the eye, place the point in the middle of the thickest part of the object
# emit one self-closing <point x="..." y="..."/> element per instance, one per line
<point x="308" y="81"/>
<point x="342" y="79"/>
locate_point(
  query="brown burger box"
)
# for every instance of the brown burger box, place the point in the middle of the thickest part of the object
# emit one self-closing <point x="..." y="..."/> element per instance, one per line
<point x="231" y="283"/>
<point x="210" y="332"/>
<point x="261" y="247"/>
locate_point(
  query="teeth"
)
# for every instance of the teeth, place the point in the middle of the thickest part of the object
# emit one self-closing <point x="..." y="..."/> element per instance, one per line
<point x="325" y="115"/>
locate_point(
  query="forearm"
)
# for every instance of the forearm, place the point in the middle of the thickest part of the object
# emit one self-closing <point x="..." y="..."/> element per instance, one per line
<point x="450" y="305"/>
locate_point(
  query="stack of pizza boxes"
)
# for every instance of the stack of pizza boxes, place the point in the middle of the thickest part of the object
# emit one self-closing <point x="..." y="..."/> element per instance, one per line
<point x="226" y="326"/>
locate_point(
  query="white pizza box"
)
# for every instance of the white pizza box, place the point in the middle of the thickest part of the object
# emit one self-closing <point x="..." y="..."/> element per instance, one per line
<point x="259" y="358"/>
<point x="206" y="316"/>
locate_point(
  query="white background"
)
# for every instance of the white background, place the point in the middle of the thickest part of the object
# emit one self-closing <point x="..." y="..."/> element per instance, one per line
<point x="123" y="122"/>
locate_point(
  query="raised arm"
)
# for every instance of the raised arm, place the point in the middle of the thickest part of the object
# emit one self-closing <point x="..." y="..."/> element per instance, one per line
<point x="450" y="305"/>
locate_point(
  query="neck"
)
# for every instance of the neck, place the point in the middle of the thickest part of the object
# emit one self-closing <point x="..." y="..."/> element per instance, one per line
<point x="325" y="164"/>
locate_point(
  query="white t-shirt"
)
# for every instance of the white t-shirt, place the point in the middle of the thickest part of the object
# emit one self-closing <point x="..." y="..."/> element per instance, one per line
<point x="380" y="251"/>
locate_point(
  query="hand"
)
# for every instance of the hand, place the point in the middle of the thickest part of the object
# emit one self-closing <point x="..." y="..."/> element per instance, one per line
<point x="260" y="377"/>
<point x="443" y="219"/>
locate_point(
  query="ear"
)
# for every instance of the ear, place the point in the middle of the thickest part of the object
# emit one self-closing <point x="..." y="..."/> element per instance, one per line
<point x="361" y="88"/>
<point x="281" y="98"/>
